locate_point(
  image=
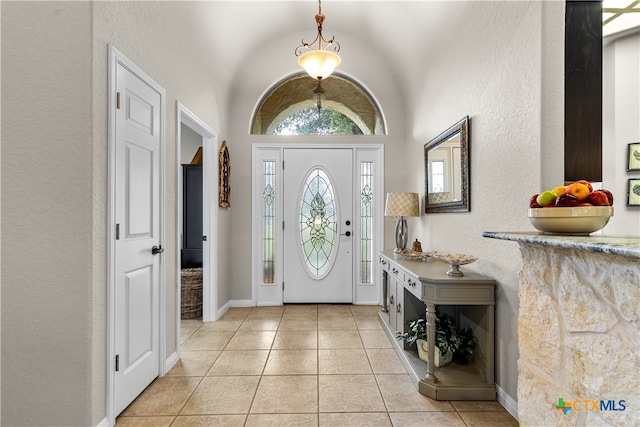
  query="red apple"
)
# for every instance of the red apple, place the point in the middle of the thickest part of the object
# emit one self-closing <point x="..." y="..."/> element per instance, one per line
<point x="580" y="191"/>
<point x="609" y="196"/>
<point x="567" y="200"/>
<point x="533" y="202"/>
<point x="598" y="198"/>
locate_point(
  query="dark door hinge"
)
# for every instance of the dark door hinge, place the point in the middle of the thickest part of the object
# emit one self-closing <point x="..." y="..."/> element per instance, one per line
<point x="204" y="238"/>
<point x="117" y="100"/>
<point x="117" y="362"/>
<point x="117" y="231"/>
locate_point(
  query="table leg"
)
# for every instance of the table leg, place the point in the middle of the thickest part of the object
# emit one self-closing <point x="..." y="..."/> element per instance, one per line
<point x="431" y="342"/>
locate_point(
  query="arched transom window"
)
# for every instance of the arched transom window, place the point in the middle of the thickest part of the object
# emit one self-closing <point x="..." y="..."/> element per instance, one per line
<point x="300" y="105"/>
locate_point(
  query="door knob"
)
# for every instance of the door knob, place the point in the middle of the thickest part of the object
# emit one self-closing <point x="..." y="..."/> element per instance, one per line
<point x="348" y="233"/>
<point x="348" y="222"/>
<point x="157" y="250"/>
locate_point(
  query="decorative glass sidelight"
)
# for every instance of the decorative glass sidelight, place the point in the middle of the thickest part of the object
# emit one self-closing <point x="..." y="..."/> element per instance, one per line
<point x="268" y="221"/>
<point x="318" y="223"/>
<point x="366" y="222"/>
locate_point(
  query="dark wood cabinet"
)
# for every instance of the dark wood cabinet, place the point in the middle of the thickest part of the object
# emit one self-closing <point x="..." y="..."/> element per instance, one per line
<point x="191" y="255"/>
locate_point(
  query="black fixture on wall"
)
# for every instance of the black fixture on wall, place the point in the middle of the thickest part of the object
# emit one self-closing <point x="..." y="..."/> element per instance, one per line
<point x="583" y="91"/>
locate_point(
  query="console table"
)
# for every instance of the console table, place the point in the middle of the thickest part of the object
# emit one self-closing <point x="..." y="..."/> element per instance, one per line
<point x="412" y="288"/>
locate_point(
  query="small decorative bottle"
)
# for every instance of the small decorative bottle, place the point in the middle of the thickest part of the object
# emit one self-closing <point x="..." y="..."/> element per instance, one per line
<point x="417" y="247"/>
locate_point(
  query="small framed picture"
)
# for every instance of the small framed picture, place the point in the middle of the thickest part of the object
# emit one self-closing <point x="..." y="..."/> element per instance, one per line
<point x="633" y="192"/>
<point x="633" y="153"/>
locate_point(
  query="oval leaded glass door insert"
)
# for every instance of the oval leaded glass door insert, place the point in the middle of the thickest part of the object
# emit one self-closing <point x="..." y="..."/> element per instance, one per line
<point x="318" y="223"/>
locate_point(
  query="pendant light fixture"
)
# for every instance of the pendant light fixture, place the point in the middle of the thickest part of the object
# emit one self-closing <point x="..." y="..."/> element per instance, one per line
<point x="319" y="63"/>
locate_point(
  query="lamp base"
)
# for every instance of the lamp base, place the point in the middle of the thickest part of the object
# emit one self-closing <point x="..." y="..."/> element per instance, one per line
<point x="402" y="232"/>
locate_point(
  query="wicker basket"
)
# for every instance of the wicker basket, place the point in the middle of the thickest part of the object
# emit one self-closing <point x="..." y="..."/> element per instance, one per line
<point x="191" y="293"/>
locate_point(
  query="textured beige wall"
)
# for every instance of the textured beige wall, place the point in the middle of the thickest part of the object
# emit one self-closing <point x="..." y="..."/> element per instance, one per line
<point x="47" y="229"/>
<point x="496" y="69"/>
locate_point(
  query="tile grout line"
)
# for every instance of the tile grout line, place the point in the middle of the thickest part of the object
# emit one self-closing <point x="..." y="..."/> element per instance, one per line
<point x="317" y="374"/>
<point x="196" y="387"/>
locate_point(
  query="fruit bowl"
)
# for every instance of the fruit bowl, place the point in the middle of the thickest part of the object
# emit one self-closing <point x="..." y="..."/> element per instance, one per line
<point x="581" y="220"/>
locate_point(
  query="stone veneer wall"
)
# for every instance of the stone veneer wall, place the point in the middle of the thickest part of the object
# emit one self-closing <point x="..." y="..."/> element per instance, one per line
<point x="579" y="335"/>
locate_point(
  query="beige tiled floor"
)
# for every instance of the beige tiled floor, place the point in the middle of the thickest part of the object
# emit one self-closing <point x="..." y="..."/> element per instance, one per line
<point x="297" y="365"/>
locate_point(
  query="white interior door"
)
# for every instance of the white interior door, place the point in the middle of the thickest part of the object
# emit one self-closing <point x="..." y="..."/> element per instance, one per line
<point x="138" y="247"/>
<point x="318" y="225"/>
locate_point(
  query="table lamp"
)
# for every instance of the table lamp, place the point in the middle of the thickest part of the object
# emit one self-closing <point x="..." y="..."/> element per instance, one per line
<point x="401" y="205"/>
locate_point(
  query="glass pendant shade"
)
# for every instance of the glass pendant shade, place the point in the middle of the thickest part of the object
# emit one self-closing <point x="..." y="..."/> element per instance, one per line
<point x="319" y="64"/>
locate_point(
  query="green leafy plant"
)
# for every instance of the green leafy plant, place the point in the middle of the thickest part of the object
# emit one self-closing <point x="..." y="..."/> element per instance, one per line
<point x="417" y="331"/>
<point x="449" y="338"/>
<point x="460" y="341"/>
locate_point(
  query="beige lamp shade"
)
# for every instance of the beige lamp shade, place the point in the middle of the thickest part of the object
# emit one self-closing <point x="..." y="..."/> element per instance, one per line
<point x="402" y="204"/>
<point x="319" y="64"/>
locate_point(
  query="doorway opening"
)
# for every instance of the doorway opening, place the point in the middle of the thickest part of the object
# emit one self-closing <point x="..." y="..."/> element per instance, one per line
<point x="196" y="227"/>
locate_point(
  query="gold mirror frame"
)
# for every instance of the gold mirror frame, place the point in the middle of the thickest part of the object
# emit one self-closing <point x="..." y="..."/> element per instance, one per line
<point x="456" y="169"/>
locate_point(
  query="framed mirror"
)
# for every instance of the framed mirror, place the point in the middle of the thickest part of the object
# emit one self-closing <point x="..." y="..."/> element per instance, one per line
<point x="446" y="167"/>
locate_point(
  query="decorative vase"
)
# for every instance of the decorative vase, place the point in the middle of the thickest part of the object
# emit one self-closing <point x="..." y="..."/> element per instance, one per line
<point x="438" y="360"/>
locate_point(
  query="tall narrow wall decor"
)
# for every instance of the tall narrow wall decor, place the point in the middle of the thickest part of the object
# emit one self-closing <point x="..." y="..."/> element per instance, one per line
<point x="224" y="177"/>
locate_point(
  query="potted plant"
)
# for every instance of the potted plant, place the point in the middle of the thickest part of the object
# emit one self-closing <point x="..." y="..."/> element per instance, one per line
<point x="451" y="341"/>
<point x="459" y="341"/>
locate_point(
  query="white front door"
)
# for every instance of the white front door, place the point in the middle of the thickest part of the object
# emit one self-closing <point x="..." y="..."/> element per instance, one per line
<point x="318" y="225"/>
<point x="138" y="247"/>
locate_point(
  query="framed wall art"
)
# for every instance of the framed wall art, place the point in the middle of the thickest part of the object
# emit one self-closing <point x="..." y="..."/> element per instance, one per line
<point x="224" y="177"/>
<point x="633" y="157"/>
<point x="633" y="192"/>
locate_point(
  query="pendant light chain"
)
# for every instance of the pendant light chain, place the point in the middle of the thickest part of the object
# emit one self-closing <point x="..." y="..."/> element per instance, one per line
<point x="321" y="62"/>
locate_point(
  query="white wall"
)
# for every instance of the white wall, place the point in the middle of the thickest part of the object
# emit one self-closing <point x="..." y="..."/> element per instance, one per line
<point x="190" y="141"/>
<point x="48" y="374"/>
<point x="621" y="125"/>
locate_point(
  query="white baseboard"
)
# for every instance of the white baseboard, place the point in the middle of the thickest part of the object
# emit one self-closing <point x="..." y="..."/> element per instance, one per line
<point x="104" y="423"/>
<point x="241" y="303"/>
<point x="367" y="303"/>
<point x="507" y="401"/>
<point x="222" y="310"/>
<point x="171" y="361"/>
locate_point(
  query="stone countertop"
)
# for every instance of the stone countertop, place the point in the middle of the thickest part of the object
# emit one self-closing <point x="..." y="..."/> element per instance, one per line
<point x="616" y="245"/>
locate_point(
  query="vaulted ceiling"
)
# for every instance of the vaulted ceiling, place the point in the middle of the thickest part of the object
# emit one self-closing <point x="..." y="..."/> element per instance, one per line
<point x="393" y="30"/>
